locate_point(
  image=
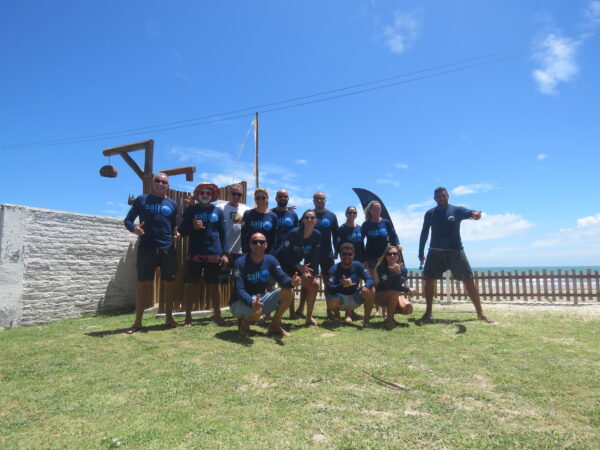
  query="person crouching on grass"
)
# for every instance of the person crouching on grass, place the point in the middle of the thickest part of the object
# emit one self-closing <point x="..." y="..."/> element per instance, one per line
<point x="390" y="275"/>
<point x="249" y="297"/>
<point x="343" y="286"/>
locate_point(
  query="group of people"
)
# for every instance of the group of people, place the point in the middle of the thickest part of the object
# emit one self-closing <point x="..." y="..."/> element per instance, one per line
<point x="265" y="246"/>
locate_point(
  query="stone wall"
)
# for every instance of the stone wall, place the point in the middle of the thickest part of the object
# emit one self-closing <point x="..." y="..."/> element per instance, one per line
<point x="56" y="265"/>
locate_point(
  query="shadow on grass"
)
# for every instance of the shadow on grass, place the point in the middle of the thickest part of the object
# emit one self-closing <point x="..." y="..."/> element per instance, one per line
<point x="235" y="337"/>
<point x="461" y="329"/>
<point x="100" y="334"/>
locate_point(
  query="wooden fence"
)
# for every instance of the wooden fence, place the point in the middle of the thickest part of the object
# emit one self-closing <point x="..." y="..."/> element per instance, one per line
<point x="562" y="286"/>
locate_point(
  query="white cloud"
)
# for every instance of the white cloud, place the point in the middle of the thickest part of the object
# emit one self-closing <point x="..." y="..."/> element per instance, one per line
<point x="426" y="204"/>
<point x="493" y="226"/>
<point x="592" y="13"/>
<point x="556" y="63"/>
<point x="402" y="33"/>
<point x="400" y="166"/>
<point x="586" y="234"/>
<point x="541" y="156"/>
<point x="471" y="189"/>
<point x="301" y="202"/>
<point x="394" y="183"/>
<point x="301" y="162"/>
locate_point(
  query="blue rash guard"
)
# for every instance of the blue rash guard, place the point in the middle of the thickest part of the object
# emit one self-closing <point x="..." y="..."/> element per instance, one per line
<point x="208" y="241"/>
<point x="286" y="220"/>
<point x="445" y="228"/>
<point x="389" y="280"/>
<point x="355" y="272"/>
<point x="297" y="248"/>
<point x="160" y="220"/>
<point x="252" y="278"/>
<point x="327" y="225"/>
<point x="378" y="235"/>
<point x="255" y="222"/>
<point x="355" y="237"/>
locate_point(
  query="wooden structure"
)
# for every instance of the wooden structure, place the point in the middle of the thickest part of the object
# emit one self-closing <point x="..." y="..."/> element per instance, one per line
<point x="146" y="175"/>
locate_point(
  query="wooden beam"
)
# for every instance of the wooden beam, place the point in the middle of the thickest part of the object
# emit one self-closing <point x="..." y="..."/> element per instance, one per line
<point x="187" y="170"/>
<point x="129" y="160"/>
<point x="142" y="145"/>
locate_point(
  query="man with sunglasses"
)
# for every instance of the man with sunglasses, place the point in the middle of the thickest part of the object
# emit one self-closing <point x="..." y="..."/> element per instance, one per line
<point x="157" y="229"/>
<point x="286" y="218"/>
<point x="203" y="223"/>
<point x="232" y="216"/>
<point x="249" y="299"/>
<point x="344" y="293"/>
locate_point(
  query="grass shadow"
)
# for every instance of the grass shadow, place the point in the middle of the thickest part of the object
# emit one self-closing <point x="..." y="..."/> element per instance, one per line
<point x="145" y="329"/>
<point x="235" y="337"/>
<point x="419" y="322"/>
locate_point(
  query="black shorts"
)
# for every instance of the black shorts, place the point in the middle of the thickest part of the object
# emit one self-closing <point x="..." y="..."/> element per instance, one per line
<point x="208" y="271"/>
<point x="148" y="259"/>
<point x="438" y="261"/>
<point x="324" y="266"/>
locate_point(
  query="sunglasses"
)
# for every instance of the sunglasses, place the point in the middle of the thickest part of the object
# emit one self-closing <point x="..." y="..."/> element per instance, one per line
<point x="347" y="254"/>
<point x="258" y="242"/>
<point x="310" y="218"/>
<point x="260" y="198"/>
<point x="352" y="213"/>
<point x="319" y="199"/>
<point x="283" y="196"/>
<point x="391" y="254"/>
<point x="207" y="192"/>
<point x="159" y="181"/>
<point x="236" y="194"/>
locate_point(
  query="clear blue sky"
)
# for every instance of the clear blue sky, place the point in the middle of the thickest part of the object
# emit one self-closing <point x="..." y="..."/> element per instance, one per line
<point x="517" y="138"/>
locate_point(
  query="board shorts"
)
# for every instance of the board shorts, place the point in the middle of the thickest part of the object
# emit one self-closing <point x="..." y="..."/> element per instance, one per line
<point x="149" y="258"/>
<point x="270" y="301"/>
<point x="348" y="301"/>
<point x="439" y="261"/>
<point x="206" y="267"/>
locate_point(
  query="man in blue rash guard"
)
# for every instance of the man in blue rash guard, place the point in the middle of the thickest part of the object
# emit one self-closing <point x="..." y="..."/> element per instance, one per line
<point x="286" y="218"/>
<point x="327" y="225"/>
<point x="302" y="245"/>
<point x="203" y="223"/>
<point x="259" y="220"/>
<point x="249" y="298"/>
<point x="157" y="229"/>
<point x="344" y="293"/>
<point x="446" y="250"/>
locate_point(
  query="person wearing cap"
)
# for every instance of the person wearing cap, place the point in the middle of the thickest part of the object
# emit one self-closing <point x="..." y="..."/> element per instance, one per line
<point x="203" y="223"/>
<point x="259" y="220"/>
<point x="157" y="229"/>
<point x="249" y="299"/>
<point x="344" y="292"/>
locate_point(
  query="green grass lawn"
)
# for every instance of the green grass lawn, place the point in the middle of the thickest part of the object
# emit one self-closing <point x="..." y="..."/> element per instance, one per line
<point x="530" y="381"/>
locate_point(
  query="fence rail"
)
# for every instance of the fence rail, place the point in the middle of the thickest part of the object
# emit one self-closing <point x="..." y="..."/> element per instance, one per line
<point x="577" y="287"/>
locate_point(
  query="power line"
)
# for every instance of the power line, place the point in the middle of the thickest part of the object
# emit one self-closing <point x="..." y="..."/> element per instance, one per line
<point x="326" y="95"/>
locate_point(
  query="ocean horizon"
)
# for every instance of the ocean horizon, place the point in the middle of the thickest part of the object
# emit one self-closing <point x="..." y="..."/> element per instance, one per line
<point x="527" y="268"/>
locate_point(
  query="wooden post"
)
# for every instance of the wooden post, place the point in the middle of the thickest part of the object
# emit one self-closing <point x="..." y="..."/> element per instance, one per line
<point x="256" y="149"/>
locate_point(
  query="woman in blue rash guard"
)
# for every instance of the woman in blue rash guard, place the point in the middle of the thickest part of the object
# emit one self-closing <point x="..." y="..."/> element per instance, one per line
<point x="350" y="232"/>
<point x="379" y="233"/>
<point x="259" y="220"/>
<point x="390" y="275"/>
<point x="302" y="245"/>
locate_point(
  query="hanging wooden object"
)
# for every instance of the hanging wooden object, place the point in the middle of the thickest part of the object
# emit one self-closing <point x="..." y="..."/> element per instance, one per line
<point x="108" y="171"/>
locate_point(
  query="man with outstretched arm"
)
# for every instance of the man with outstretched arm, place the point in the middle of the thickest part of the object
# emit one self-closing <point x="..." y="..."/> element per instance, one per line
<point x="446" y="250"/>
<point x="343" y="292"/>
<point x="157" y="230"/>
<point x="249" y="297"/>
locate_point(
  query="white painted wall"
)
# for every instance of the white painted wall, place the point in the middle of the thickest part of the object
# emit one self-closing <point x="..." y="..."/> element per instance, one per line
<point x="56" y="265"/>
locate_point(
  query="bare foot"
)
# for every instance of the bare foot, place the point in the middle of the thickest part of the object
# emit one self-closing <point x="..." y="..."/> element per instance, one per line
<point x="366" y="324"/>
<point x="299" y="315"/>
<point x="294" y="316"/>
<point x="378" y="312"/>
<point x="171" y="324"/>
<point x="187" y="324"/>
<point x="278" y="331"/>
<point x="391" y="325"/>
<point x="218" y="321"/>
<point x="243" y="329"/>
<point x="311" y="321"/>
<point x="485" y="319"/>
<point x="133" y="329"/>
